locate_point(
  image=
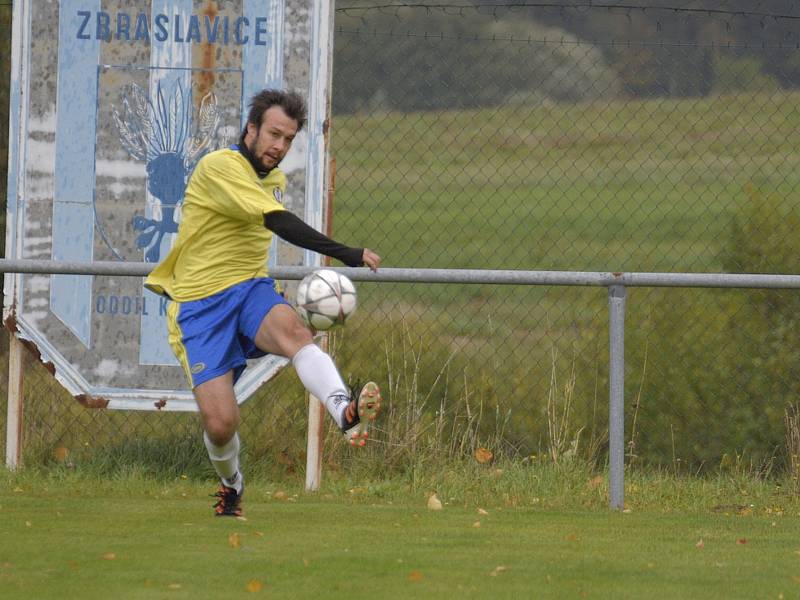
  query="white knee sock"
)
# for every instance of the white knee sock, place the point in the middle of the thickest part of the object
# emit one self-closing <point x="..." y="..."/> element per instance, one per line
<point x="320" y="377"/>
<point x="226" y="461"/>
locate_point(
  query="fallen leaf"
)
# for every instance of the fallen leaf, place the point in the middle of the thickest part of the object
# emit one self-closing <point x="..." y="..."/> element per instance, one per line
<point x="280" y="495"/>
<point x="254" y="585"/>
<point x="109" y="556"/>
<point x="415" y="576"/>
<point x="483" y="455"/>
<point x="482" y="511"/>
<point x="700" y="544"/>
<point x="305" y="562"/>
<point x="174" y="586"/>
<point x="434" y="503"/>
<point x="233" y="540"/>
<point x="476" y="524"/>
<point x="498" y="570"/>
<point x="741" y="542"/>
<point x="259" y="533"/>
<point x="61" y="453"/>
<point x="28" y="524"/>
<point x="572" y="537"/>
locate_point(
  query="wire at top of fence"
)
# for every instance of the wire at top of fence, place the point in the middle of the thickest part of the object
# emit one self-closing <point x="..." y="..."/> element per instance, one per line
<point x="493" y="8"/>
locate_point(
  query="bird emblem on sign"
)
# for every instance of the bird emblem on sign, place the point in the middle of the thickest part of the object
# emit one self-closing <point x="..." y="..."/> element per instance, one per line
<point x="161" y="132"/>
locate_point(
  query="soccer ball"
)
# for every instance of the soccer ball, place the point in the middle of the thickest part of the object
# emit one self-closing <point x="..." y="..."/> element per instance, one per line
<point x="325" y="298"/>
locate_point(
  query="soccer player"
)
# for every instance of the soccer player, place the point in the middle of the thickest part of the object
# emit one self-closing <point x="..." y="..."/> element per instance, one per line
<point x="225" y="308"/>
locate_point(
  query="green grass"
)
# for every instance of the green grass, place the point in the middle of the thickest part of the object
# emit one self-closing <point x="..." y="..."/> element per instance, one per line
<point x="71" y="535"/>
<point x="618" y="185"/>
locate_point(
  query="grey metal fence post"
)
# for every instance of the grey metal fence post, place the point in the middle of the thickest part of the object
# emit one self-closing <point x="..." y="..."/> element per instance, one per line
<point x="616" y="415"/>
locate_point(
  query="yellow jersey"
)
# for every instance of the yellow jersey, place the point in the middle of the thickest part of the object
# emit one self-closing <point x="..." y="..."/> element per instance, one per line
<point x="221" y="240"/>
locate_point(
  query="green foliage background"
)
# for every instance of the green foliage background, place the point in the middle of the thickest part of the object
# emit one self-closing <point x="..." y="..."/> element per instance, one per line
<point x="728" y="362"/>
<point x="653" y="175"/>
<point x="679" y="56"/>
<point x="703" y="185"/>
<point x="396" y="68"/>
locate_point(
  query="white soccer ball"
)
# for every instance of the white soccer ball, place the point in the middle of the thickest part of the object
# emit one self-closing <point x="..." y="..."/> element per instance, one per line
<point x="325" y="298"/>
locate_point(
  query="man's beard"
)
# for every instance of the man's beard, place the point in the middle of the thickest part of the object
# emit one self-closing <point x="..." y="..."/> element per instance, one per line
<point x="258" y="165"/>
<point x="260" y="160"/>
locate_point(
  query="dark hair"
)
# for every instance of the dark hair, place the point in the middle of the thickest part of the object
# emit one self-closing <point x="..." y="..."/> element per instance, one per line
<point x="292" y="104"/>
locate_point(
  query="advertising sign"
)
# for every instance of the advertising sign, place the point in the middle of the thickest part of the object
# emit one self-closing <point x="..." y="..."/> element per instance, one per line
<point x="112" y="105"/>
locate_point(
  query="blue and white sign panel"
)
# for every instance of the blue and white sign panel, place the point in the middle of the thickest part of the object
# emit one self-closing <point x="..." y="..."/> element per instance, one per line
<point x="113" y="103"/>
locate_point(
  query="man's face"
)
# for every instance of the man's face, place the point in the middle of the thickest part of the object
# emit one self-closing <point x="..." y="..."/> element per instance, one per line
<point x="270" y="142"/>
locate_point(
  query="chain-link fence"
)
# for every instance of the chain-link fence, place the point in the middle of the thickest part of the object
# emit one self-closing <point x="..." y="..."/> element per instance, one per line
<point x="476" y="145"/>
<point x="536" y="139"/>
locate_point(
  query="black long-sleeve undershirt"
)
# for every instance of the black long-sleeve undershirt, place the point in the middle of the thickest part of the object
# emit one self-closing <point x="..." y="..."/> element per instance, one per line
<point x="294" y="230"/>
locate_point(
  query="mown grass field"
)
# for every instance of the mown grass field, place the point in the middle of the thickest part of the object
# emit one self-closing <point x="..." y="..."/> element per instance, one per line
<point x="77" y="536"/>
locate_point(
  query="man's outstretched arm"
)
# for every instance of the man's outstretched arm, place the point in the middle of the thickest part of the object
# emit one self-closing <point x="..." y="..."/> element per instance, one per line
<point x="294" y="230"/>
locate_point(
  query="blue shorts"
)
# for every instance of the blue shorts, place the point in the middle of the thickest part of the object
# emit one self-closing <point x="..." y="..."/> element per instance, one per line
<point x="214" y="335"/>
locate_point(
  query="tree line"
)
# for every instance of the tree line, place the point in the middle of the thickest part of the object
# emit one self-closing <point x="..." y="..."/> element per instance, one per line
<point x="417" y="58"/>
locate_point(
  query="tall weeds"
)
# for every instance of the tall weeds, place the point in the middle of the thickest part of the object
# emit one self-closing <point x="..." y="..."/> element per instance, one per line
<point x="428" y="415"/>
